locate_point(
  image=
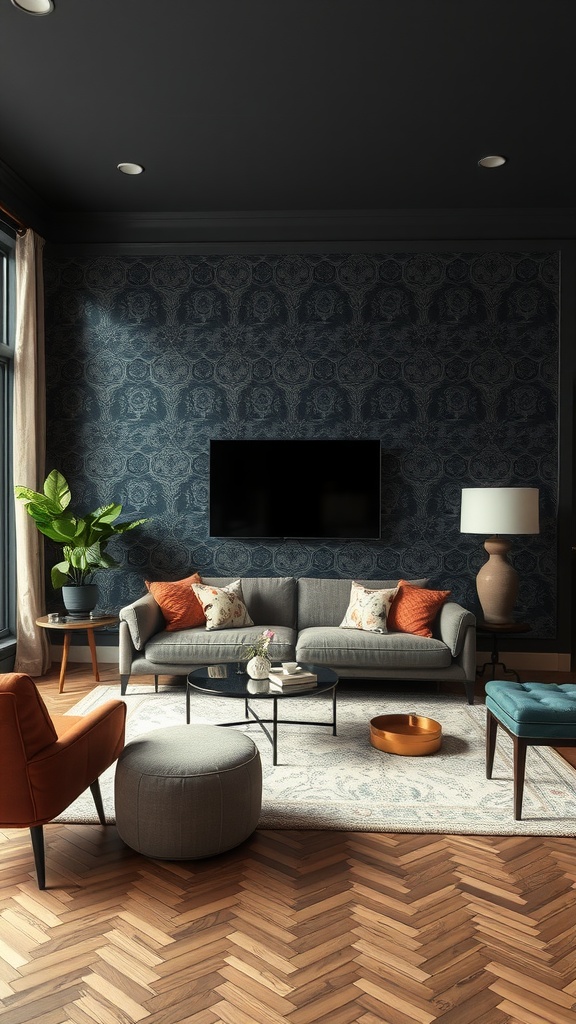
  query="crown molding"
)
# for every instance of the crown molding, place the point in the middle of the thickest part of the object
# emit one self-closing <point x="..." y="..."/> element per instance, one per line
<point x="175" y="230"/>
<point x="129" y="231"/>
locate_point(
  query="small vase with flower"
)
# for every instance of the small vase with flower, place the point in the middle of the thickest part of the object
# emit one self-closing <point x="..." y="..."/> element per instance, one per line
<point x="258" y="665"/>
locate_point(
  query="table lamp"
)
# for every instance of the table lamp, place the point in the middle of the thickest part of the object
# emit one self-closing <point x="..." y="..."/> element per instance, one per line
<point x="498" y="510"/>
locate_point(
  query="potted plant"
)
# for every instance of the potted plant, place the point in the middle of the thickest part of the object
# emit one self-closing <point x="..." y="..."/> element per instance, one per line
<point x="83" y="538"/>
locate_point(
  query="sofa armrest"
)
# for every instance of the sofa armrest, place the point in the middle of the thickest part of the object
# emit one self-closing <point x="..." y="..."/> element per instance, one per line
<point x="453" y="624"/>
<point x="143" y="619"/>
<point x="126" y="650"/>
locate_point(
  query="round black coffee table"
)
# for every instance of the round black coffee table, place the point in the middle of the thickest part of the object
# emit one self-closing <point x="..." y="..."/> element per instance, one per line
<point x="229" y="681"/>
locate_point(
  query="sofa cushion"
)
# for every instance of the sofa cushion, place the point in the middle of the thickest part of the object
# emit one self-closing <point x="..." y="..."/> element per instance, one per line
<point x="324" y="602"/>
<point x="368" y="608"/>
<point x="270" y="601"/>
<point x="414" y="609"/>
<point x="178" y="602"/>
<point x="193" y="647"/>
<point x="353" y="648"/>
<point x="224" y="607"/>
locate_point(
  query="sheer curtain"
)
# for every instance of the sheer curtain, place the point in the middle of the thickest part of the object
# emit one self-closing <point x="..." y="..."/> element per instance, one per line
<point x="33" y="652"/>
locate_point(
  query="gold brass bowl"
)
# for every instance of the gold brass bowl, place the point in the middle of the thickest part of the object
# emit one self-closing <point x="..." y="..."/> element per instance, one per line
<point x="410" y="735"/>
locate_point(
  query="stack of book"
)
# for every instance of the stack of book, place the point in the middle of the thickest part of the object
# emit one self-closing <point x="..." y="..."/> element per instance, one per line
<point x="280" y="680"/>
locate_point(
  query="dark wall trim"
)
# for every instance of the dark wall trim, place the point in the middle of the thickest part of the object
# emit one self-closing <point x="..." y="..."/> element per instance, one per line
<point x="22" y="201"/>
<point x="287" y="247"/>
<point x="174" y="229"/>
<point x="566" y="450"/>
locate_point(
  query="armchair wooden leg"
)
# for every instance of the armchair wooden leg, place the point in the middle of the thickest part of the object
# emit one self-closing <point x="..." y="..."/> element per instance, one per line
<point x="97" y="795"/>
<point x="37" y="837"/>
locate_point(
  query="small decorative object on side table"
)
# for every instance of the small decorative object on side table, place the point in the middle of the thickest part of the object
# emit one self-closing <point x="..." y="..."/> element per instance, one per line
<point x="495" y="630"/>
<point x="69" y="625"/>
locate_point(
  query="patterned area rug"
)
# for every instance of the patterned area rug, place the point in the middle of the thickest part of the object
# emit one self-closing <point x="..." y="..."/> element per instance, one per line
<point x="343" y="783"/>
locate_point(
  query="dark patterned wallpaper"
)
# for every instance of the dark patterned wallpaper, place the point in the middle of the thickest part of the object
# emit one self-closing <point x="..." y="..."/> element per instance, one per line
<point x="451" y="359"/>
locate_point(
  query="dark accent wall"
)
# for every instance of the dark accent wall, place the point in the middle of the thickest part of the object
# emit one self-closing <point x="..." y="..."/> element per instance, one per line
<point x="450" y="358"/>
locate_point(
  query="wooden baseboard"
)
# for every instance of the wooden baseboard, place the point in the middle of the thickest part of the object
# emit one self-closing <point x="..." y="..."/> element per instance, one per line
<point x="80" y="653"/>
<point x="523" y="661"/>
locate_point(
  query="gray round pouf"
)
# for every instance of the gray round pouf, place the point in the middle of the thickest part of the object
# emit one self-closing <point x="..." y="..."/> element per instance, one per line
<point x="187" y="791"/>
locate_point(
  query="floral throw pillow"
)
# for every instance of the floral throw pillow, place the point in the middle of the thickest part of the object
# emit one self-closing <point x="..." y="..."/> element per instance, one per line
<point x="368" y="609"/>
<point x="178" y="604"/>
<point x="223" y="607"/>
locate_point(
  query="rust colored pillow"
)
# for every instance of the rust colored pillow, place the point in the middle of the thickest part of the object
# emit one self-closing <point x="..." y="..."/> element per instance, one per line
<point x="414" y="609"/>
<point x="178" y="603"/>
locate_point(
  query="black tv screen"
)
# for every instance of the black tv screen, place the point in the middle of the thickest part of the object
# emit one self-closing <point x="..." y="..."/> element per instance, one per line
<point x="299" y="489"/>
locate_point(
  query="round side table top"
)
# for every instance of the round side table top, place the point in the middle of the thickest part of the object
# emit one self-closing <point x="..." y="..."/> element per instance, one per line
<point x="66" y="623"/>
<point x="503" y="627"/>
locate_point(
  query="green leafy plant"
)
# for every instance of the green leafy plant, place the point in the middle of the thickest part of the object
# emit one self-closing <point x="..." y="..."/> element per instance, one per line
<point x="84" y="538"/>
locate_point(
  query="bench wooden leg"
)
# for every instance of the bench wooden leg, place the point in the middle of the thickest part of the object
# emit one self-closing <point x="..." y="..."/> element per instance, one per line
<point x="491" y="730"/>
<point x="520" y="746"/>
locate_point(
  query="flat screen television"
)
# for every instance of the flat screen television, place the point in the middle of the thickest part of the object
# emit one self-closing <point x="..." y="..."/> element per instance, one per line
<point x="321" y="490"/>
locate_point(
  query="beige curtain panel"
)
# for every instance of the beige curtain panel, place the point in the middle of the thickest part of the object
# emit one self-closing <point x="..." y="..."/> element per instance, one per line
<point x="32" y="652"/>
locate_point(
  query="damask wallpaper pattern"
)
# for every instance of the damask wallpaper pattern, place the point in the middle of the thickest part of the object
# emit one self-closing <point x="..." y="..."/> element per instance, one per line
<point x="450" y="359"/>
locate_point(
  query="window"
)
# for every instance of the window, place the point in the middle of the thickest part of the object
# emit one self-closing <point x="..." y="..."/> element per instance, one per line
<point x="7" y="575"/>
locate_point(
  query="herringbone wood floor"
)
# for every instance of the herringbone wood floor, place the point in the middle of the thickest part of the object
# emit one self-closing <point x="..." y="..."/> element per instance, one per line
<point x="293" y="927"/>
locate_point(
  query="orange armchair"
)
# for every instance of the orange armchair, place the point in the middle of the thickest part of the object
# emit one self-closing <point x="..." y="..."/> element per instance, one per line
<point x="47" y="762"/>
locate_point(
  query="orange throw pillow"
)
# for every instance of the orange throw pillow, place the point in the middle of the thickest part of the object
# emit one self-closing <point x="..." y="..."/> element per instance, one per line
<point x="178" y="603"/>
<point x="414" y="609"/>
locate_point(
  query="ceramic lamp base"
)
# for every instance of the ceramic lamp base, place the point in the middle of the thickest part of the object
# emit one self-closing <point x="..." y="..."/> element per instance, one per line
<point x="497" y="583"/>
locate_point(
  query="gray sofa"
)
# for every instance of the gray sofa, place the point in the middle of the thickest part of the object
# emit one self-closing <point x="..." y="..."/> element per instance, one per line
<point x="305" y="615"/>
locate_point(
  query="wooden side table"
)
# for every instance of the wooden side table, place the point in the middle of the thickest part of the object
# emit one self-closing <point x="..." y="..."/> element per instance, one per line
<point x="69" y="626"/>
<point x="496" y="630"/>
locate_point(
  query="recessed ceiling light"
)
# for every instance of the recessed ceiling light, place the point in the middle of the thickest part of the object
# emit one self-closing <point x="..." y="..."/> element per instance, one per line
<point x="492" y="161"/>
<point x="35" y="6"/>
<point x="128" y="168"/>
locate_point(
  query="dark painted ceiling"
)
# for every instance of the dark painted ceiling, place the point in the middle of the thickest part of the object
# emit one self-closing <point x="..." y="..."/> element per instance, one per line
<point x="290" y="105"/>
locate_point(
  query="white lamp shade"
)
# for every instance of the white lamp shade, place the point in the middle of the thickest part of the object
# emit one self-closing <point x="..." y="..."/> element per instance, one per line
<point x="489" y="510"/>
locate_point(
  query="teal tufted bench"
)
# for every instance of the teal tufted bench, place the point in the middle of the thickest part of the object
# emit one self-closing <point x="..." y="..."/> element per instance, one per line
<point x="533" y="714"/>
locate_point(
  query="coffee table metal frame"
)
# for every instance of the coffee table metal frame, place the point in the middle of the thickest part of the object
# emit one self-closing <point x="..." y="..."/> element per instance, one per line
<point x="233" y="682"/>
